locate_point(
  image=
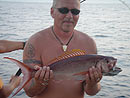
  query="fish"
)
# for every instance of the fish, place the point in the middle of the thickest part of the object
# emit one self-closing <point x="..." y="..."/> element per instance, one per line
<point x="77" y="67"/>
<point x="74" y="64"/>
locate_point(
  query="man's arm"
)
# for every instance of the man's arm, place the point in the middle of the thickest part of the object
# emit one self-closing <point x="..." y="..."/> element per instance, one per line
<point x="8" y="46"/>
<point x="92" y="83"/>
<point x="32" y="57"/>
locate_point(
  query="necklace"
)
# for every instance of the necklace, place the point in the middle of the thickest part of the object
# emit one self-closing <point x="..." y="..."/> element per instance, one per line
<point x="64" y="46"/>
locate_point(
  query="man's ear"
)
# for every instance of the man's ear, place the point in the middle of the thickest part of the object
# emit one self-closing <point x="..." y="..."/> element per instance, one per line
<point x="52" y="12"/>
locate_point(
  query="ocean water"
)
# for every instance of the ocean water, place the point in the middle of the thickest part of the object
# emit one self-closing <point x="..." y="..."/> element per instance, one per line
<point x="108" y="24"/>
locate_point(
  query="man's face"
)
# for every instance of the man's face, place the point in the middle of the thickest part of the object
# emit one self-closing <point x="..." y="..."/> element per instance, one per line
<point x="65" y="22"/>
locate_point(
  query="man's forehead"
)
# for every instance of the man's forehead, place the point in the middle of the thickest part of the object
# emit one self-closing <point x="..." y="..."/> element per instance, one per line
<point x="64" y="3"/>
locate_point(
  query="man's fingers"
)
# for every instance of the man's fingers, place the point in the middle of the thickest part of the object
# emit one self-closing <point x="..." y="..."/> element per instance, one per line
<point x="51" y="74"/>
<point x="36" y="67"/>
<point x="100" y="73"/>
<point x="43" y="72"/>
<point x="91" y="74"/>
<point x="87" y="78"/>
<point x="37" y="74"/>
<point x="96" y="75"/>
<point x="47" y="73"/>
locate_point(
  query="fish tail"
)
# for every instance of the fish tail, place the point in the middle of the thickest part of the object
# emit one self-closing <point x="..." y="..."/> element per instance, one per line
<point x="22" y="85"/>
<point x="26" y="70"/>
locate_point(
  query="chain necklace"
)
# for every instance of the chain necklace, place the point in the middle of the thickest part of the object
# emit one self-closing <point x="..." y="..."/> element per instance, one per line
<point x="64" y="46"/>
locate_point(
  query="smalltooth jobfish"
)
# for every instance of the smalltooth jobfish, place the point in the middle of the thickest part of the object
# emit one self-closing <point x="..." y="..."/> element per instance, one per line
<point x="75" y="67"/>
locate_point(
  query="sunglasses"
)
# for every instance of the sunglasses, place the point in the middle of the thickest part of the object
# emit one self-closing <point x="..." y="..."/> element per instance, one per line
<point x="65" y="10"/>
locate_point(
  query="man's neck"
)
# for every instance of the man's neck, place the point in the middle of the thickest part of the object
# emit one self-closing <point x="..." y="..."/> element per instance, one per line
<point x="61" y="34"/>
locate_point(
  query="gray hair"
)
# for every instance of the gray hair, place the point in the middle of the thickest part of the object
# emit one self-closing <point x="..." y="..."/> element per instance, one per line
<point x="54" y="3"/>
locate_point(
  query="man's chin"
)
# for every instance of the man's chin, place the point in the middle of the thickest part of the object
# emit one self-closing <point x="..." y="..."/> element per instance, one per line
<point x="68" y="29"/>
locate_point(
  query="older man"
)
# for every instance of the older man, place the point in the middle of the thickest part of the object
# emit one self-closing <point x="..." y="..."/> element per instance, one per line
<point x="52" y="42"/>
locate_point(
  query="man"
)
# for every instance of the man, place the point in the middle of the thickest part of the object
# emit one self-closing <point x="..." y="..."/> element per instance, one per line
<point x="52" y="42"/>
<point x="6" y="90"/>
<point x="8" y="46"/>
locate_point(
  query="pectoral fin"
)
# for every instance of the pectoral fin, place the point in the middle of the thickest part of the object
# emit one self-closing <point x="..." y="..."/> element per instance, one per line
<point x="81" y="73"/>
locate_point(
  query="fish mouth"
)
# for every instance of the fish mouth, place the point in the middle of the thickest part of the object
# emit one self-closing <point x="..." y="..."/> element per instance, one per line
<point x="113" y="72"/>
<point x="112" y="64"/>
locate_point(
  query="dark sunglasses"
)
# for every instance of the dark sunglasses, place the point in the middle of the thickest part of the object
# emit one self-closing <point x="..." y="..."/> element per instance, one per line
<point x="65" y="10"/>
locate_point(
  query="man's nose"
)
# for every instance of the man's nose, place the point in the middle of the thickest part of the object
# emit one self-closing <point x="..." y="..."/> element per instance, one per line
<point x="69" y="14"/>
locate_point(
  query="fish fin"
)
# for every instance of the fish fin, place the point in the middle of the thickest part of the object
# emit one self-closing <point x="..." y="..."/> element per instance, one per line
<point x="26" y="73"/>
<point x="23" y="66"/>
<point x="81" y="73"/>
<point x="68" y="54"/>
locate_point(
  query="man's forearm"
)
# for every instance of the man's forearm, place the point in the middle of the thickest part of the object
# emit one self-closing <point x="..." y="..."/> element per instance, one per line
<point x="18" y="45"/>
<point x="8" y="46"/>
<point x="92" y="89"/>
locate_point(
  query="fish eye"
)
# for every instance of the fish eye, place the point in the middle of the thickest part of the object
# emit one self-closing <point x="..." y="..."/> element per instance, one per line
<point x="107" y="61"/>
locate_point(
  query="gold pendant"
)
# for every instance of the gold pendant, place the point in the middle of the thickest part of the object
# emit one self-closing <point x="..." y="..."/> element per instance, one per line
<point x="64" y="47"/>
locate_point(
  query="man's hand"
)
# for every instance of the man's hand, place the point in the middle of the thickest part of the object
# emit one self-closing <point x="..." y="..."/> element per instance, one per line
<point x="43" y="75"/>
<point x="92" y="81"/>
<point x="94" y="76"/>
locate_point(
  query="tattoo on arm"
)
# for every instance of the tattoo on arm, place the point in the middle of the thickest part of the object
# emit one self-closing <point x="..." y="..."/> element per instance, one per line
<point x="30" y="53"/>
<point x="32" y="61"/>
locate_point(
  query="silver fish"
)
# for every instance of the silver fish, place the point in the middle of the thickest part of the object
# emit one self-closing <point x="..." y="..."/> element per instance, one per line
<point x="78" y="66"/>
<point x="74" y="67"/>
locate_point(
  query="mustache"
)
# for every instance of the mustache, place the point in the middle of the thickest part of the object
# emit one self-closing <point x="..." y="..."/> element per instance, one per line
<point x="68" y="20"/>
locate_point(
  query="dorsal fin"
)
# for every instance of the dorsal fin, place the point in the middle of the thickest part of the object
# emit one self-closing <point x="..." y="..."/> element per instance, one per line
<point x="68" y="54"/>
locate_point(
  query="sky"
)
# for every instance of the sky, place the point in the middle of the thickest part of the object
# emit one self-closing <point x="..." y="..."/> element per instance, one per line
<point x="87" y="1"/>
